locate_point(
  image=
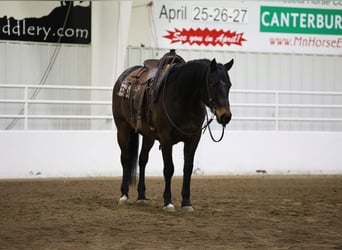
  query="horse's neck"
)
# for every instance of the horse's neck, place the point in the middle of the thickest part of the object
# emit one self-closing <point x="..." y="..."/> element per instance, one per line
<point x="185" y="90"/>
<point x="192" y="79"/>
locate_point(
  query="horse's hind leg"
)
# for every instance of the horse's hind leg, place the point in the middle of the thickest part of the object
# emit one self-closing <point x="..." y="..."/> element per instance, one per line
<point x="128" y="142"/>
<point x="143" y="159"/>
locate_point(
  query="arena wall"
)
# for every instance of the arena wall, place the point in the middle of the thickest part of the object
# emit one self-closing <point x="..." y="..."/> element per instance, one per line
<point x="42" y="154"/>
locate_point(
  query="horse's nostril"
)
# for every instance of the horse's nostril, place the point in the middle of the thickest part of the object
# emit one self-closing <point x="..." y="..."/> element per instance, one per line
<point x="225" y="119"/>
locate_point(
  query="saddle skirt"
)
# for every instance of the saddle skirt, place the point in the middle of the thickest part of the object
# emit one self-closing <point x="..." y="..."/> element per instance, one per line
<point x="141" y="86"/>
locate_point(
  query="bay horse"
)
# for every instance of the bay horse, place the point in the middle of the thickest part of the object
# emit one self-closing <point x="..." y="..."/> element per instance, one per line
<point x="175" y="115"/>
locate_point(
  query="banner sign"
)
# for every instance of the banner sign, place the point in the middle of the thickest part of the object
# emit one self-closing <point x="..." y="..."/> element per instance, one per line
<point x="57" y="21"/>
<point x="256" y="26"/>
<point x="300" y="20"/>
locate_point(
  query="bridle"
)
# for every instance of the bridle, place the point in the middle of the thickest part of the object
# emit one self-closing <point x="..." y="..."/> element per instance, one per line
<point x="208" y="121"/>
<point x="213" y="111"/>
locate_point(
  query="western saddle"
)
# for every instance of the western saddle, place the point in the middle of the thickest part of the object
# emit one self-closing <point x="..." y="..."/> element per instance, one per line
<point x="144" y="83"/>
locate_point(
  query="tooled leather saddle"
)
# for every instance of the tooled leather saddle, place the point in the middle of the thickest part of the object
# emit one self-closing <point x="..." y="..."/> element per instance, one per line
<point x="142" y="85"/>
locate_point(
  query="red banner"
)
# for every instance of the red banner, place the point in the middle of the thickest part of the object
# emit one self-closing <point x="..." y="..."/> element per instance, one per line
<point x="205" y="36"/>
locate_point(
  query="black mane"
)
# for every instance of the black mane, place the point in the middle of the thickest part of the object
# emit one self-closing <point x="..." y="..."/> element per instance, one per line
<point x="193" y="75"/>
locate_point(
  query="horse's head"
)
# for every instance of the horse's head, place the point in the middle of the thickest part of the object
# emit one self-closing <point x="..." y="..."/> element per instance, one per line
<point x="218" y="87"/>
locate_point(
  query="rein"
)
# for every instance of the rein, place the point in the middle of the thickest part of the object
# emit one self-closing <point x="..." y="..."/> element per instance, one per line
<point x="209" y="129"/>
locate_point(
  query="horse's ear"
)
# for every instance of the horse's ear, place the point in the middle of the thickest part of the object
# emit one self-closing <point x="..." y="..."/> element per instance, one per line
<point x="229" y="65"/>
<point x="213" y="65"/>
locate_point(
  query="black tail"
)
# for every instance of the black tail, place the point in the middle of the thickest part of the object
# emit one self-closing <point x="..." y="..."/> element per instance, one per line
<point x="133" y="153"/>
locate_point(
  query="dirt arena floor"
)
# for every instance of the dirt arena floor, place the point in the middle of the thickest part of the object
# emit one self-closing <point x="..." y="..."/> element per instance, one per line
<point x="258" y="212"/>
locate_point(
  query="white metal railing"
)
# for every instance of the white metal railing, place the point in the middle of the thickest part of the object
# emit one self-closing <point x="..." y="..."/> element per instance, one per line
<point x="275" y="104"/>
<point x="26" y="101"/>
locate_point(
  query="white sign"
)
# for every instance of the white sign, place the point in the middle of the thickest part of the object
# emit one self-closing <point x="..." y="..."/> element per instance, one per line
<point x="286" y="27"/>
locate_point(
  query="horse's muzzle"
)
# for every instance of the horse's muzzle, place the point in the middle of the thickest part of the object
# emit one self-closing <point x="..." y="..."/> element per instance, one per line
<point x="225" y="119"/>
<point x="223" y="116"/>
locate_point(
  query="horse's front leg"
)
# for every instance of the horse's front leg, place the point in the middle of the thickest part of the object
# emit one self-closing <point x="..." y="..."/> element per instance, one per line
<point x="143" y="159"/>
<point x="189" y="153"/>
<point x="168" y="173"/>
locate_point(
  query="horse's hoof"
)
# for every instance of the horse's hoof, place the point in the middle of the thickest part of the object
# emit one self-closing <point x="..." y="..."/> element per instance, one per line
<point x="123" y="200"/>
<point x="142" y="202"/>
<point x="169" y="208"/>
<point x="188" y="208"/>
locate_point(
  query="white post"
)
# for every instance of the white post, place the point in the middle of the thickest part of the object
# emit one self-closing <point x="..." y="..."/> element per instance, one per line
<point x="276" y="115"/>
<point x="25" y="108"/>
<point x="110" y="25"/>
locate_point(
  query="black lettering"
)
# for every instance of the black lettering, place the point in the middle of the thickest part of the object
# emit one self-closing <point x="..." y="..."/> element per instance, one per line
<point x="163" y="12"/>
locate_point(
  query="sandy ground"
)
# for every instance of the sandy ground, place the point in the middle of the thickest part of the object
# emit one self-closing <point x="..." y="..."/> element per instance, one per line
<point x="259" y="212"/>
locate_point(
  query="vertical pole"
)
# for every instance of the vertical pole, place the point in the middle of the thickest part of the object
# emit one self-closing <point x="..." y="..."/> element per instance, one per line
<point x="25" y="108"/>
<point x="276" y="116"/>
